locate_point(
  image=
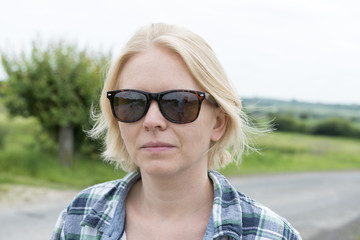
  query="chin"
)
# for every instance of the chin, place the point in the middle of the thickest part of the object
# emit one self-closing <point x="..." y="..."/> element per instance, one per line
<point x="160" y="169"/>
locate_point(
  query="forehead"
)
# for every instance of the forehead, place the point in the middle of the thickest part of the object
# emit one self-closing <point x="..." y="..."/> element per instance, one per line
<point x="156" y="69"/>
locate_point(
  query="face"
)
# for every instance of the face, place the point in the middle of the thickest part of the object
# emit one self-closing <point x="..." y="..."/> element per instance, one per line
<point x="156" y="145"/>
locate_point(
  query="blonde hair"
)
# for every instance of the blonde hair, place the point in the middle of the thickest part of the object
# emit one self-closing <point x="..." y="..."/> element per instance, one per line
<point x="206" y="70"/>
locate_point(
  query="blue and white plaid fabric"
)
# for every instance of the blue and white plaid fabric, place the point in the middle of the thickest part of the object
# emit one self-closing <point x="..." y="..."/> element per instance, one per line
<point x="99" y="213"/>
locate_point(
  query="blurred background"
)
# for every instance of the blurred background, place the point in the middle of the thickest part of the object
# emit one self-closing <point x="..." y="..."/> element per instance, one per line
<point x="295" y="64"/>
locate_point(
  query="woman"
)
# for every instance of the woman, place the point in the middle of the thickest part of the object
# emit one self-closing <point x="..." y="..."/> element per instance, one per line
<point x="169" y="114"/>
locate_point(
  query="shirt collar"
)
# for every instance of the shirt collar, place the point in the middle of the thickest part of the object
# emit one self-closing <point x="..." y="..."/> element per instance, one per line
<point x="108" y="213"/>
<point x="227" y="211"/>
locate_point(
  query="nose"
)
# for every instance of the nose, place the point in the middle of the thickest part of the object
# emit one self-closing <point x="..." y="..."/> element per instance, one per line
<point x="154" y="118"/>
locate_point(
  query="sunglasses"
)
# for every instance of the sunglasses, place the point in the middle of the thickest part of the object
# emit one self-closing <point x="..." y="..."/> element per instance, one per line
<point x="177" y="106"/>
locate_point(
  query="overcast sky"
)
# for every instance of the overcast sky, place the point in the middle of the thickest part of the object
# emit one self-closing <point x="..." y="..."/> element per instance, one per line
<point x="298" y="49"/>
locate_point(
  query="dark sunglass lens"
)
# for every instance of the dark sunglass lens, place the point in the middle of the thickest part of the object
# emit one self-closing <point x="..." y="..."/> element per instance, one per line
<point x="181" y="107"/>
<point x="129" y="106"/>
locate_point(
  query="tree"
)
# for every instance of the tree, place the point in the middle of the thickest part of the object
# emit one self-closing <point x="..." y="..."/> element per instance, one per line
<point x="57" y="84"/>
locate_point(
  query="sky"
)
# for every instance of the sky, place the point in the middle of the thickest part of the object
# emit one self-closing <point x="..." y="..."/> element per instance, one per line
<point x="305" y="50"/>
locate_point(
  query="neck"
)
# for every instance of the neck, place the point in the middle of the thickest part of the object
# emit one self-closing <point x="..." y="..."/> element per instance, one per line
<point x="178" y="196"/>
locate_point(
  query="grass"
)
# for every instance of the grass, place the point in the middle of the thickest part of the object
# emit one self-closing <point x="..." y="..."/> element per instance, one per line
<point x="289" y="152"/>
<point x="23" y="159"/>
<point x="43" y="169"/>
<point x="28" y="156"/>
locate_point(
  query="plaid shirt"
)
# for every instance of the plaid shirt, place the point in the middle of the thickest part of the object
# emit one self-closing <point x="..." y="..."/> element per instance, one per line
<point x="99" y="213"/>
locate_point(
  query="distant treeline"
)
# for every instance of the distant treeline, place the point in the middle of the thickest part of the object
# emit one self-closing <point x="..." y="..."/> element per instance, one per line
<point x="310" y="118"/>
<point x="303" y="109"/>
<point x="331" y="127"/>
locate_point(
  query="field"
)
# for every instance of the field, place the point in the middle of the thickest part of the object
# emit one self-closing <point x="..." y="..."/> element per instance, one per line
<point x="23" y="160"/>
<point x="290" y="152"/>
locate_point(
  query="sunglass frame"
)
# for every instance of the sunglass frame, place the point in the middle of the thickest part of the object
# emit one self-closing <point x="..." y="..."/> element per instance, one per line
<point x="201" y="96"/>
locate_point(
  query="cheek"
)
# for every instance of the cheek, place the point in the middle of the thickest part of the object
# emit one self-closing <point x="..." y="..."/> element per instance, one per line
<point x="122" y="131"/>
<point x="196" y="138"/>
<point x="204" y="129"/>
<point x="125" y="134"/>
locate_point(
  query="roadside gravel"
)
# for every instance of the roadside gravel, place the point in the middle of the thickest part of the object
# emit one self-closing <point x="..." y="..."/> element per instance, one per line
<point x="22" y="197"/>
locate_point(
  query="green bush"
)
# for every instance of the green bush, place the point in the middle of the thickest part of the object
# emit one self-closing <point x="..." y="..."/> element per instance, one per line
<point x="3" y="133"/>
<point x="288" y="123"/>
<point x="333" y="127"/>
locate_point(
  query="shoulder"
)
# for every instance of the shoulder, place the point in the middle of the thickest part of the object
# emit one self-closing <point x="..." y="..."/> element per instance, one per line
<point x="106" y="193"/>
<point x="93" y="209"/>
<point x="93" y="193"/>
<point x="239" y="215"/>
<point x="261" y="221"/>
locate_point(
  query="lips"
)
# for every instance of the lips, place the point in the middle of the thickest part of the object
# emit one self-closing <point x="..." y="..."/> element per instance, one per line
<point x="157" y="146"/>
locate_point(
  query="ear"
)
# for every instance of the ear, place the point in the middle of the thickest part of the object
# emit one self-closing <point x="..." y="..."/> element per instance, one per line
<point x="220" y="125"/>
